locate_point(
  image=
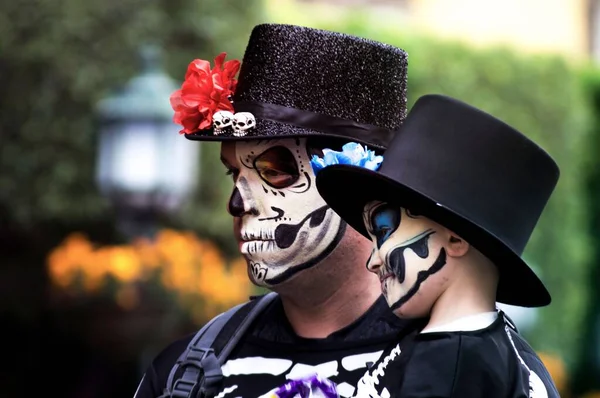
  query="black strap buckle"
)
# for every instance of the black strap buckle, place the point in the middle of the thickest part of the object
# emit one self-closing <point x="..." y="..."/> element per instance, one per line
<point x="197" y="356"/>
<point x="199" y="361"/>
<point x="184" y="389"/>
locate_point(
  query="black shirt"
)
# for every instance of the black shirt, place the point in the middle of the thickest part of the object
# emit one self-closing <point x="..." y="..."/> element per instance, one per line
<point x="271" y="353"/>
<point x="494" y="362"/>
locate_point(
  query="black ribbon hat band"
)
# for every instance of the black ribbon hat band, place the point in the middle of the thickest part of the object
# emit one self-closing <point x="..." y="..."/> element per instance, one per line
<point x="326" y="124"/>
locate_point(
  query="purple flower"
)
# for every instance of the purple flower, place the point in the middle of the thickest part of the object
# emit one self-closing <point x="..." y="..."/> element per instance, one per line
<point x="308" y="387"/>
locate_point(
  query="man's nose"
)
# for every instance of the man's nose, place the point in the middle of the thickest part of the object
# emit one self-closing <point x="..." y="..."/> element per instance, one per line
<point x="374" y="262"/>
<point x="237" y="207"/>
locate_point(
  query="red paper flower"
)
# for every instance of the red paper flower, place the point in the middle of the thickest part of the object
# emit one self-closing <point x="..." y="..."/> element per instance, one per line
<point x="204" y="92"/>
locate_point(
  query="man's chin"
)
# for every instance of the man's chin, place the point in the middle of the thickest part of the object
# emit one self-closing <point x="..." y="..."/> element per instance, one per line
<point x="257" y="272"/>
<point x="262" y="276"/>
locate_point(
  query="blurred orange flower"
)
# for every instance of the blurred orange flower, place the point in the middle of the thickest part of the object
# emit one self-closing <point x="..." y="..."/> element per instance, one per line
<point x="592" y="394"/>
<point x="556" y="368"/>
<point x="194" y="269"/>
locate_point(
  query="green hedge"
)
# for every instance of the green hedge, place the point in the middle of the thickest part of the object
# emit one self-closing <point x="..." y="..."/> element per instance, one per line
<point x="587" y="376"/>
<point x="58" y="59"/>
<point x="542" y="97"/>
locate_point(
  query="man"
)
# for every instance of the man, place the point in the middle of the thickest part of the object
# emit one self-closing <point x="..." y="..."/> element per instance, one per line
<point x="300" y="90"/>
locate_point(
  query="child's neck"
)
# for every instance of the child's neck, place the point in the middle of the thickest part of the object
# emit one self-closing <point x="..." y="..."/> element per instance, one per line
<point x="472" y="292"/>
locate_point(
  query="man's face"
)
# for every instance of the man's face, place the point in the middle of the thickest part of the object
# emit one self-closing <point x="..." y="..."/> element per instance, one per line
<point x="408" y="256"/>
<point x="282" y="224"/>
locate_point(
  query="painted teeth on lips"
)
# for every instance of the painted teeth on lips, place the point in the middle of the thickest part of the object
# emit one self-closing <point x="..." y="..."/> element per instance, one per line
<point x="386" y="276"/>
<point x="257" y="246"/>
<point x="262" y="235"/>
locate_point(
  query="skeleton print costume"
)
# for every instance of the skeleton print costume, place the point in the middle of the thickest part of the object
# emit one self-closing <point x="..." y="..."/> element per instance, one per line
<point x="493" y="362"/>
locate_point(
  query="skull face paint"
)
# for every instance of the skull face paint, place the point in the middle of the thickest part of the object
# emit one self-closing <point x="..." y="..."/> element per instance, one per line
<point x="408" y="256"/>
<point x="283" y="224"/>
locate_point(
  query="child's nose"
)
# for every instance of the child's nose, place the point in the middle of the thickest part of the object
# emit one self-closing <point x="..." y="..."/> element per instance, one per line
<point x="374" y="262"/>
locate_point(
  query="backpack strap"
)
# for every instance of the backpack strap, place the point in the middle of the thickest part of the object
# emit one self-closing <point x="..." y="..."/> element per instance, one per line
<point x="209" y="348"/>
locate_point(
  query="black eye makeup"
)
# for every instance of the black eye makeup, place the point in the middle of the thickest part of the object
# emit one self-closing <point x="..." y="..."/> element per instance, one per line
<point x="420" y="244"/>
<point x="412" y="213"/>
<point x="384" y="220"/>
<point x="277" y="167"/>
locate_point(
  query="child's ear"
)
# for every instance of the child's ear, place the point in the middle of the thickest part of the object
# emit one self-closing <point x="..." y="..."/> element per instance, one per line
<point x="456" y="247"/>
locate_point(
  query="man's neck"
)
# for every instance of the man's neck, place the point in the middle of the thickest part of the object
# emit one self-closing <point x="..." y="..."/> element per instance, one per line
<point x="322" y="311"/>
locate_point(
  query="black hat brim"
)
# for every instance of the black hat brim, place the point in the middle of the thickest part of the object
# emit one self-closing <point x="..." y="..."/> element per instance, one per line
<point x="347" y="189"/>
<point x="272" y="130"/>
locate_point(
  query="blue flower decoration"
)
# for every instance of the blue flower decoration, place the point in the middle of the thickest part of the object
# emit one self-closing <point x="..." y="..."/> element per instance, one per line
<point x="352" y="154"/>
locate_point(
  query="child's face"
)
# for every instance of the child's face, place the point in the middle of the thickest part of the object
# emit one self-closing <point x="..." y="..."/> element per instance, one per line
<point x="408" y="256"/>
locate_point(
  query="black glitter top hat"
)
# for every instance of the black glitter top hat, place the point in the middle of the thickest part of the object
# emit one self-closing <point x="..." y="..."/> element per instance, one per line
<point x="298" y="82"/>
<point x="467" y="171"/>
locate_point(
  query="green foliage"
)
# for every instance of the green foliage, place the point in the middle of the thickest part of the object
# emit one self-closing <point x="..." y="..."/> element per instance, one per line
<point x="58" y="59"/>
<point x="588" y="369"/>
<point x="542" y="97"/>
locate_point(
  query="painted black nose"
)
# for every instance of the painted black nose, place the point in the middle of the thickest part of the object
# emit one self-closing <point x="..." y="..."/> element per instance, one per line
<point x="236" y="204"/>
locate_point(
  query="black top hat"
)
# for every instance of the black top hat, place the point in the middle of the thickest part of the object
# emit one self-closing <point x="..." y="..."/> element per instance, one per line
<point x="467" y="171"/>
<point x="300" y="82"/>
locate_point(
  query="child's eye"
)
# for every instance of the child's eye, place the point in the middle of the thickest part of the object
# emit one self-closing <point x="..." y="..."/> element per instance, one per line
<point x="385" y="220"/>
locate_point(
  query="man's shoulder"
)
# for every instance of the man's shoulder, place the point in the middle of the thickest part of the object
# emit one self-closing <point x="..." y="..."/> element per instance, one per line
<point x="164" y="361"/>
<point x="171" y="352"/>
<point x="251" y="364"/>
<point x="157" y="373"/>
<point x="268" y="327"/>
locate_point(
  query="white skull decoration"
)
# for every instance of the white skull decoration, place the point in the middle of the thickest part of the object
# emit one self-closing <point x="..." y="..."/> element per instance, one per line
<point x="242" y="123"/>
<point x="222" y="119"/>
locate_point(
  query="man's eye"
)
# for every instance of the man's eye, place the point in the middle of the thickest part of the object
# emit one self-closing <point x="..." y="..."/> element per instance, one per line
<point x="271" y="173"/>
<point x="277" y="178"/>
<point x="277" y="167"/>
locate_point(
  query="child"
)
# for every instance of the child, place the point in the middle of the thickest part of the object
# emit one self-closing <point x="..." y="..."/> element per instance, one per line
<point x="449" y="212"/>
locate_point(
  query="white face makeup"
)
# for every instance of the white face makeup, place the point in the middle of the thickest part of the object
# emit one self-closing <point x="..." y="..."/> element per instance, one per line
<point x="408" y="256"/>
<point x="284" y="224"/>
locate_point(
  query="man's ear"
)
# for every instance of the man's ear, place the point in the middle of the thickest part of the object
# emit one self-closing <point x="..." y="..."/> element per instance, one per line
<point x="456" y="247"/>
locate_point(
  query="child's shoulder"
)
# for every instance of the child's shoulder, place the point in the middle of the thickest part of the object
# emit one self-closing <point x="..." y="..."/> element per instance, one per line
<point x="447" y="364"/>
<point x="456" y="359"/>
<point x="475" y="346"/>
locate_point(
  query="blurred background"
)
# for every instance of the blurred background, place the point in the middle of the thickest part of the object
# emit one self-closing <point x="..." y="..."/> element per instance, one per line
<point x="114" y="239"/>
